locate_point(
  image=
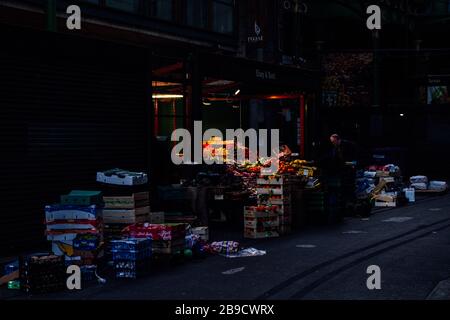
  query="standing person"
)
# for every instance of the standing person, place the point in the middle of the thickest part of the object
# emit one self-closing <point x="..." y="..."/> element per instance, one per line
<point x="339" y="176"/>
<point x="343" y="150"/>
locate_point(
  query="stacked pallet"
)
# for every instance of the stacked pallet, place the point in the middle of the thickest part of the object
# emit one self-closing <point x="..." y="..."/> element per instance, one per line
<point x="261" y="221"/>
<point x="124" y="206"/>
<point x="129" y="209"/>
<point x="278" y="191"/>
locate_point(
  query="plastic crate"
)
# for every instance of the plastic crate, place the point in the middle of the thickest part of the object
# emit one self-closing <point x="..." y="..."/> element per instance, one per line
<point x="131" y="254"/>
<point x="131" y="244"/>
<point x="41" y="273"/>
<point x="131" y="269"/>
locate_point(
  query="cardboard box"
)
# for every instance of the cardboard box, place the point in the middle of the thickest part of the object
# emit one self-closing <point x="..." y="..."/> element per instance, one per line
<point x="122" y="177"/>
<point x="265" y="222"/>
<point x="70" y="212"/>
<point x="136" y="200"/>
<point x="125" y="213"/>
<point x="385" y="204"/>
<point x="252" y="212"/>
<point x="272" y="191"/>
<point x="382" y="174"/>
<point x="385" y="197"/>
<point x="252" y="234"/>
<point x="82" y="198"/>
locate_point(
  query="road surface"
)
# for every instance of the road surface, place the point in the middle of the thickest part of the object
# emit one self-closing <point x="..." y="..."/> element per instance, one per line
<point x="410" y="245"/>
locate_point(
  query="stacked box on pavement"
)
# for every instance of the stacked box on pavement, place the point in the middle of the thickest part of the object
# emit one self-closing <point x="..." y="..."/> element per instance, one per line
<point x="126" y="209"/>
<point x="76" y="231"/>
<point x="123" y="210"/>
<point x="261" y="221"/>
<point x="277" y="190"/>
<point x="131" y="257"/>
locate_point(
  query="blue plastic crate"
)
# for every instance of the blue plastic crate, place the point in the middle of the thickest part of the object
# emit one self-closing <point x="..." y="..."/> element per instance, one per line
<point x="130" y="244"/>
<point x="131" y="254"/>
<point x="131" y="269"/>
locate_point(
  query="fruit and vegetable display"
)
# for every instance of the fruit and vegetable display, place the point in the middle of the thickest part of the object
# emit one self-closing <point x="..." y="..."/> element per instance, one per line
<point x="297" y="167"/>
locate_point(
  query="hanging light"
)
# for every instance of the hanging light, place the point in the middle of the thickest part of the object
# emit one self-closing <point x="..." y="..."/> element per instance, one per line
<point x="237" y="92"/>
<point x="167" y="96"/>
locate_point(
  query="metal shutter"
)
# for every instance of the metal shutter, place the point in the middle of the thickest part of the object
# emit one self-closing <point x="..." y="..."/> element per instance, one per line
<point x="66" y="113"/>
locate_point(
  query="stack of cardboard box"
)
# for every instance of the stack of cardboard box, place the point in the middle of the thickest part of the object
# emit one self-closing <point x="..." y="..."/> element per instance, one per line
<point x="75" y="226"/>
<point x="278" y="190"/>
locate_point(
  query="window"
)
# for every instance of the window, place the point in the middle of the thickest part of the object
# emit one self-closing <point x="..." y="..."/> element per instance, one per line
<point x="125" y="5"/>
<point x="197" y="13"/>
<point x="162" y="9"/>
<point x="222" y="12"/>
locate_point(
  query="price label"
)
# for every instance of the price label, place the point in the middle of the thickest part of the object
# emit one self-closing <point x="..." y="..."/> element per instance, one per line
<point x="305" y="172"/>
<point x="218" y="197"/>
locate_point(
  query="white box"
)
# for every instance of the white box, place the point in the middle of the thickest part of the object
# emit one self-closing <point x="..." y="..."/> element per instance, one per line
<point x="385" y="204"/>
<point x="128" y="179"/>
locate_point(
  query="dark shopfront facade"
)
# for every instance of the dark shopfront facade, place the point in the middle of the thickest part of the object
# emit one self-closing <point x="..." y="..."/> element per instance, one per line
<point x="72" y="106"/>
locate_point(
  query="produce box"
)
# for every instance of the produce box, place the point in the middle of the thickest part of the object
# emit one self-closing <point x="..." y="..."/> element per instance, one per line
<point x="125" y="212"/>
<point x="261" y="222"/>
<point x="136" y="200"/>
<point x="124" y="220"/>
<point x="252" y="234"/>
<point x="122" y="177"/>
<point x="167" y="231"/>
<point x="272" y="190"/>
<point x="385" y="204"/>
<point x="261" y="211"/>
<point x="380" y="173"/>
<point x="131" y="244"/>
<point x="71" y="212"/>
<point x="82" y="198"/>
<point x="385" y="198"/>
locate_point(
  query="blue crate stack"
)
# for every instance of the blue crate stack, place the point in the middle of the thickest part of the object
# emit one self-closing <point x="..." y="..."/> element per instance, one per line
<point x="131" y="257"/>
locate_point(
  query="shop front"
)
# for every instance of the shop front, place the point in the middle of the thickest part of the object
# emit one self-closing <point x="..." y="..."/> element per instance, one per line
<point x="233" y="94"/>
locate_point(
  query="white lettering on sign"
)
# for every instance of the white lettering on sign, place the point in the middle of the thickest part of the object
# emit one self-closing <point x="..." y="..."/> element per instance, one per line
<point x="266" y="75"/>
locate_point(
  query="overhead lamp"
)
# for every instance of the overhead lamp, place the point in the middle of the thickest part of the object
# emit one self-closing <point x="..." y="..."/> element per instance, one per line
<point x="167" y="96"/>
<point x="402" y="114"/>
<point x="237" y="92"/>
